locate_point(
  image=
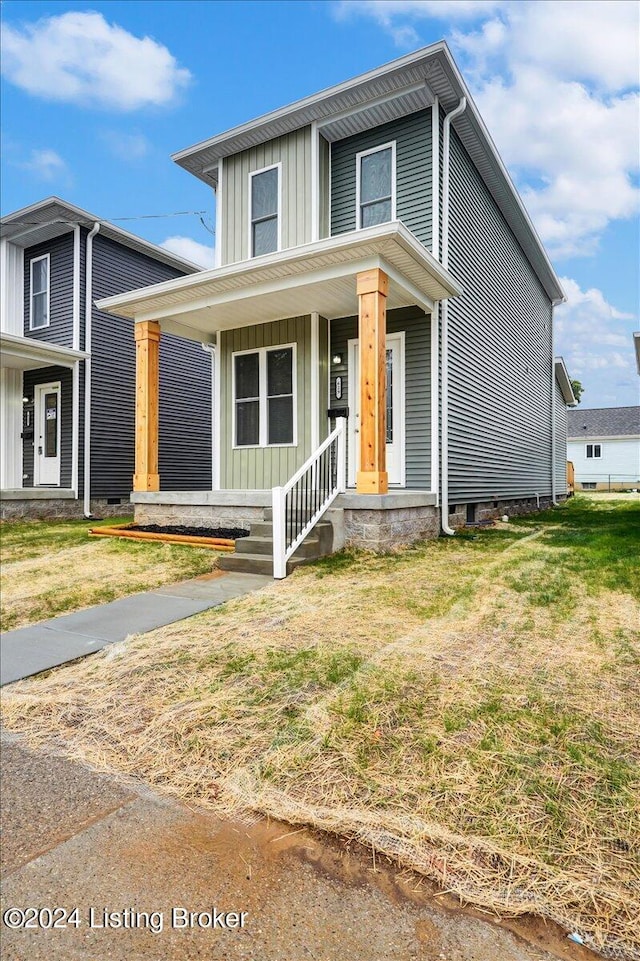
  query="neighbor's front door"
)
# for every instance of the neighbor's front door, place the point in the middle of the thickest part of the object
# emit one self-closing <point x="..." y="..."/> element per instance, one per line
<point x="395" y="410"/>
<point x="46" y="455"/>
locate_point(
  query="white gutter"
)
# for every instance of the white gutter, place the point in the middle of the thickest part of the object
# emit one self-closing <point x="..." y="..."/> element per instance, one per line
<point x="88" y="308"/>
<point x="444" y="331"/>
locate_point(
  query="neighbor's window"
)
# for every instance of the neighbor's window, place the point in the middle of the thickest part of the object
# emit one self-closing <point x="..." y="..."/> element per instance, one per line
<point x="264" y="397"/>
<point x="39" y="313"/>
<point x="594" y="450"/>
<point x="265" y="191"/>
<point x="376" y="185"/>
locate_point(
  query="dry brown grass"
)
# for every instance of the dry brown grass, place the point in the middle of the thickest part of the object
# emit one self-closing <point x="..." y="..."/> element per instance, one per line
<point x="51" y="568"/>
<point x="470" y="707"/>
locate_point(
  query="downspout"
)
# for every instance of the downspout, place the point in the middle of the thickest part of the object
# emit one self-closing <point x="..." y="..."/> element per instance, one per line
<point x="75" y="370"/>
<point x="88" y="310"/>
<point x="444" y="328"/>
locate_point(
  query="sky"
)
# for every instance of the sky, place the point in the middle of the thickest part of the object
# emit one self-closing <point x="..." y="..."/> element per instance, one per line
<point x="96" y="96"/>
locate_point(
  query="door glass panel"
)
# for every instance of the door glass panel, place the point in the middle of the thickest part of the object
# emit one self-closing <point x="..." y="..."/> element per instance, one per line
<point x="51" y="425"/>
<point x="389" y="396"/>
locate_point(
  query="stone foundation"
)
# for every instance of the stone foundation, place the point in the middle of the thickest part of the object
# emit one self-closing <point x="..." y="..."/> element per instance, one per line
<point x="63" y="508"/>
<point x="385" y="530"/>
<point x="197" y="515"/>
<point x="495" y="510"/>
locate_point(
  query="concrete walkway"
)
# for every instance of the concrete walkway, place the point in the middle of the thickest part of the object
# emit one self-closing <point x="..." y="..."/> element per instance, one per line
<point x="148" y="876"/>
<point x="29" y="650"/>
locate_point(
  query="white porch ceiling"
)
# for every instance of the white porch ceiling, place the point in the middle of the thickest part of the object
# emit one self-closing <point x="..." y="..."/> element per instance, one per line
<point x="314" y="277"/>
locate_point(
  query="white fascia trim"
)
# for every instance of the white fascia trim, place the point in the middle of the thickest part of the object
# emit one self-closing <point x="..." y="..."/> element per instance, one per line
<point x="315" y="381"/>
<point x="435" y="178"/>
<point x="124" y="304"/>
<point x="366" y="153"/>
<point x="420" y="299"/>
<point x="375" y="102"/>
<point x="39" y="352"/>
<point x="601" y="438"/>
<point x="315" y="183"/>
<point x="254" y="173"/>
<point x="219" y="216"/>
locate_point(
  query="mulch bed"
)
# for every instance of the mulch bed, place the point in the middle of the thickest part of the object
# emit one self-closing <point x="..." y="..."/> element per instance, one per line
<point x="232" y="533"/>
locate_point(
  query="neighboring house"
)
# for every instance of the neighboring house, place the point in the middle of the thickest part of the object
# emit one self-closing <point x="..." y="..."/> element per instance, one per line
<point x="374" y="262"/>
<point x="604" y="445"/>
<point x="68" y="369"/>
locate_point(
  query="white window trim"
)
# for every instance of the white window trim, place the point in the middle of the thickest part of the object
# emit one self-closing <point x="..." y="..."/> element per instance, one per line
<point x="366" y="153"/>
<point x="594" y="456"/>
<point x="36" y="260"/>
<point x="263" y="424"/>
<point x="252" y="174"/>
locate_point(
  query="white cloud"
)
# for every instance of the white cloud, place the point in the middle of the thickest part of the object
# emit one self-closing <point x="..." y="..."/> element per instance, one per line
<point x="126" y="146"/>
<point x="595" y="340"/>
<point x="191" y="250"/>
<point x="79" y="58"/>
<point x="45" y="165"/>
<point x="556" y="83"/>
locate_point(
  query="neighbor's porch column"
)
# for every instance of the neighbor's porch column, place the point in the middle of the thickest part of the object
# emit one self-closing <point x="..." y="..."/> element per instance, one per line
<point x="372" y="287"/>
<point x="146" y="477"/>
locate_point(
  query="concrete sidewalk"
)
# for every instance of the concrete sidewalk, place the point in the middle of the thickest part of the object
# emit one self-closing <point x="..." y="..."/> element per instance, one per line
<point x="30" y="650"/>
<point x="136" y="865"/>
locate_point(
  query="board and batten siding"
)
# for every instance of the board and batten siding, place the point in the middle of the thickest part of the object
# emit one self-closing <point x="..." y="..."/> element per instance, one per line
<point x="49" y="375"/>
<point x="499" y="352"/>
<point x="414" y="194"/>
<point x="417" y="379"/>
<point x="262" y="468"/>
<point x="60" y="329"/>
<point x="293" y="151"/>
<point x="185" y="386"/>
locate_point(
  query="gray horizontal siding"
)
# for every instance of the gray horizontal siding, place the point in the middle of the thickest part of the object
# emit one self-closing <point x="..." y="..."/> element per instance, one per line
<point x="417" y="328"/>
<point x="185" y="386"/>
<point x="499" y="350"/>
<point x="414" y="194"/>
<point x="49" y="375"/>
<point x="60" y="329"/>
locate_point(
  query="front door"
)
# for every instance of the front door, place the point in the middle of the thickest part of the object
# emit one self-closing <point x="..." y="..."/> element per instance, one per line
<point x="46" y="455"/>
<point x="395" y="410"/>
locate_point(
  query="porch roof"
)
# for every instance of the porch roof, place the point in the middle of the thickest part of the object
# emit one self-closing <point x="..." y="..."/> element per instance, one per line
<point x="25" y="353"/>
<point x="316" y="277"/>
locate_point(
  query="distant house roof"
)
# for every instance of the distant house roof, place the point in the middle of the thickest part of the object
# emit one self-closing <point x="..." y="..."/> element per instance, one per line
<point x="52" y="217"/>
<point x="604" y="422"/>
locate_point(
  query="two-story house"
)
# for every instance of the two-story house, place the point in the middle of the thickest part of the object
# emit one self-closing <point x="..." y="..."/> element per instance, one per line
<point x="381" y="313"/>
<point x="68" y="370"/>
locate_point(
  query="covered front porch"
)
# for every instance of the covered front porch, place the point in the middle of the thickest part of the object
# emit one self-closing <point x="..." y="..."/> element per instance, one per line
<point x="282" y="395"/>
<point x="39" y="439"/>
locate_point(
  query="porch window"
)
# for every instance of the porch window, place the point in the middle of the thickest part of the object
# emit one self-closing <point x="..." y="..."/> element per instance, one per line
<point x="264" y="397"/>
<point x="376" y="185"/>
<point x="265" y="222"/>
<point x="39" y="312"/>
<point x="594" y="450"/>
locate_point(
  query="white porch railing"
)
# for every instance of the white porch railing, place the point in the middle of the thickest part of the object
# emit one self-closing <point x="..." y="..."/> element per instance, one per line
<point x="299" y="505"/>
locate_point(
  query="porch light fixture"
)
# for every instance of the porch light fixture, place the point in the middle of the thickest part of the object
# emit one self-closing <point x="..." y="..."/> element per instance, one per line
<point x="336" y="360"/>
<point x="26" y="400"/>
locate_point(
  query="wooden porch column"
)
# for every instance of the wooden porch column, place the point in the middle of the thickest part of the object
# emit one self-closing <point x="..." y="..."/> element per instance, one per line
<point x="372" y="287"/>
<point x="146" y="477"/>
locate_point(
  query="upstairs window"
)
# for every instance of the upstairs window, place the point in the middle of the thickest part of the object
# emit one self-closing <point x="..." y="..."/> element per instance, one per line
<point x="376" y="186"/>
<point x="265" y="214"/>
<point x="264" y="397"/>
<point x="39" y="308"/>
<point x="594" y="450"/>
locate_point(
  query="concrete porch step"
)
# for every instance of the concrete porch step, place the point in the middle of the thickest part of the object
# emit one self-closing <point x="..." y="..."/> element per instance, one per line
<point x="257" y="563"/>
<point x="264" y="545"/>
